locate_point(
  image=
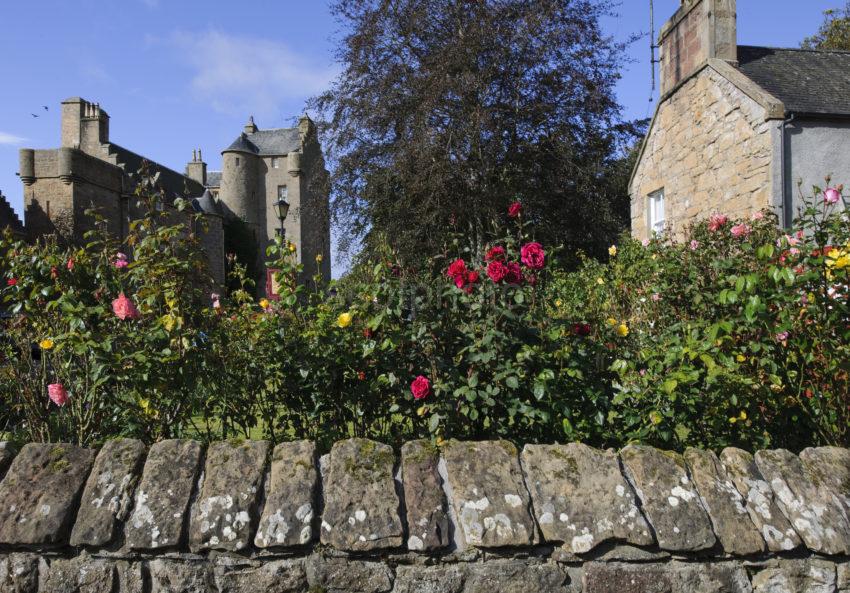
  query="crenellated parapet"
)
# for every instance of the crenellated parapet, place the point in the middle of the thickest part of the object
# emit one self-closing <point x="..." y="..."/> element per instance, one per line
<point x="467" y="517"/>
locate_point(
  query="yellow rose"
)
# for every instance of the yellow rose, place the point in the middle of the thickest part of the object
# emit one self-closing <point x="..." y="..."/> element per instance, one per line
<point x="612" y="251"/>
<point x="46" y="344"/>
<point x="600" y="281"/>
<point x="742" y="415"/>
<point x="622" y="330"/>
<point x="168" y="322"/>
<point x="264" y="303"/>
<point x="319" y="258"/>
<point x="292" y="248"/>
<point x="741" y="358"/>
<point x="732" y="420"/>
<point x="612" y="321"/>
<point x="344" y="320"/>
<point x="838" y="259"/>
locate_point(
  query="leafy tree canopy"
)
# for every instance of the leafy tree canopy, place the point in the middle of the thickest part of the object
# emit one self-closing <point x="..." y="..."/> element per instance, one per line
<point x="446" y="111"/>
<point x="834" y="33"/>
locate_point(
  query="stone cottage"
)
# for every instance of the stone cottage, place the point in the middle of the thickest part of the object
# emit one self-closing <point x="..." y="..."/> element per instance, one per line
<point x="737" y="128"/>
<point x="89" y="170"/>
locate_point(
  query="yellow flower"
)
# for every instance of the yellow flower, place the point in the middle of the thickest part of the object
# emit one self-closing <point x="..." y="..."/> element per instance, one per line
<point x="145" y="405"/>
<point x="168" y="322"/>
<point x="440" y="441"/>
<point x="732" y="420"/>
<point x="264" y="303"/>
<point x="742" y="415"/>
<point x="838" y="258"/>
<point x="622" y="330"/>
<point x="612" y="251"/>
<point x="319" y="258"/>
<point x="46" y="344"/>
<point x="421" y="411"/>
<point x="600" y="281"/>
<point x="612" y="321"/>
<point x="741" y="358"/>
<point x="655" y="418"/>
<point x="558" y="303"/>
<point x="292" y="248"/>
<point x="344" y="320"/>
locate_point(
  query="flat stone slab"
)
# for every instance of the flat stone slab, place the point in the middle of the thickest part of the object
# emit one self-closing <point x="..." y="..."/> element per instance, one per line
<point x="168" y="576"/>
<point x="724" y="504"/>
<point x="427" y="516"/>
<point x="830" y="466"/>
<point x="516" y="576"/>
<point x="108" y="494"/>
<point x="669" y="499"/>
<point x="428" y="579"/>
<point x="289" y="516"/>
<point x="7" y="454"/>
<point x="759" y="500"/>
<point x="82" y="573"/>
<point x="675" y="577"/>
<point x="361" y="505"/>
<point x="226" y="509"/>
<point x="162" y="497"/>
<point x="490" y="500"/>
<point x="813" y="511"/>
<point x="19" y="573"/>
<point x="806" y="576"/>
<point x="341" y="575"/>
<point x="581" y="498"/>
<point x="39" y="495"/>
<point x="278" y="576"/>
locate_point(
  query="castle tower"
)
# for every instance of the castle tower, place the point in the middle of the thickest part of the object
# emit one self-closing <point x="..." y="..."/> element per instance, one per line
<point x="84" y="125"/>
<point x="196" y="168"/>
<point x="239" y="174"/>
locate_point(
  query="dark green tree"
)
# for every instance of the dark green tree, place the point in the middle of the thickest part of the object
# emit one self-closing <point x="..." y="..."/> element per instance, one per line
<point x="834" y="33"/>
<point x="446" y="111"/>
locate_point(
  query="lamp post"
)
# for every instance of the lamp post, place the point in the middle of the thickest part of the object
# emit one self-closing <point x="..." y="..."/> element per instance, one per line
<point x="281" y="208"/>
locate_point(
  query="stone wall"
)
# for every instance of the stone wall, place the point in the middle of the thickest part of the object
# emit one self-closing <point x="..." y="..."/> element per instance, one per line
<point x="710" y="149"/>
<point x="470" y="517"/>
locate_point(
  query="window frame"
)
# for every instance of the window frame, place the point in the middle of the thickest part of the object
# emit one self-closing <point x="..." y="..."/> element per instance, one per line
<point x="285" y="189"/>
<point x="654" y="224"/>
<point x="275" y="162"/>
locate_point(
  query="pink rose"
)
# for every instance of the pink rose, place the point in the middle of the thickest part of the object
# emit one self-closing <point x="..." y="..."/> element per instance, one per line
<point x="124" y="308"/>
<point x="758" y="215"/>
<point x="645" y="242"/>
<point x="782" y="336"/>
<point x="514" y="275"/>
<point x="656" y="297"/>
<point x="120" y="261"/>
<point x="716" y="222"/>
<point x="70" y="264"/>
<point x="57" y="394"/>
<point x="514" y="209"/>
<point x="497" y="271"/>
<point x="533" y="255"/>
<point x="741" y="230"/>
<point x="832" y="196"/>
<point x="420" y="388"/>
<point x="694" y="245"/>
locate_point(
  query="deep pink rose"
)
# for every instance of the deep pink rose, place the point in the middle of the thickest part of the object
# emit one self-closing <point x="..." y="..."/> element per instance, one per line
<point x="514" y="209"/>
<point x="456" y="268"/>
<point x="497" y="271"/>
<point x="741" y="230"/>
<point x="70" y="264"/>
<point x="473" y="277"/>
<point x="124" y="308"/>
<point x="533" y="255"/>
<point x="420" y="388"/>
<point x="716" y="222"/>
<point x="581" y="329"/>
<point x="57" y="394"/>
<point x="495" y="253"/>
<point x="832" y="196"/>
<point x="120" y="261"/>
<point x="514" y="275"/>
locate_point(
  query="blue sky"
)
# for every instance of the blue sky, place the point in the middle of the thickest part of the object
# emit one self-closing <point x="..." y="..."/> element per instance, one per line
<point x="175" y="75"/>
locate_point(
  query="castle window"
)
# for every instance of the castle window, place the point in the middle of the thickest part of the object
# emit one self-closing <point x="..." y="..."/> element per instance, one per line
<point x="237" y="161"/>
<point x="655" y="211"/>
<point x="275" y="163"/>
<point x="281" y="192"/>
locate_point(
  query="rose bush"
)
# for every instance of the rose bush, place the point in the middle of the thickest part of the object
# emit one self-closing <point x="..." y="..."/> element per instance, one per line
<point x="735" y="334"/>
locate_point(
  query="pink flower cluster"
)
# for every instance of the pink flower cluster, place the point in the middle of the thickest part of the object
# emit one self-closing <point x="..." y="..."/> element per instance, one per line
<point x="463" y="278"/>
<point x="120" y="261"/>
<point x="740" y="231"/>
<point x="57" y="394"/>
<point x="124" y="308"/>
<point x="717" y="222"/>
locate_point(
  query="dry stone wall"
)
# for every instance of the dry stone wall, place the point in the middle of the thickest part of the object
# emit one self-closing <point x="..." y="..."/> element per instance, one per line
<point x="469" y="517"/>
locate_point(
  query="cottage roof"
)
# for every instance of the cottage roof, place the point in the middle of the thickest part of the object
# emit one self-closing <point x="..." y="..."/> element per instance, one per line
<point x="808" y="82"/>
<point x="278" y="141"/>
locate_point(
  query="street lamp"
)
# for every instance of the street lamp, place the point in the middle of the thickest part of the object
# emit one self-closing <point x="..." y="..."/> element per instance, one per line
<point x="281" y="208"/>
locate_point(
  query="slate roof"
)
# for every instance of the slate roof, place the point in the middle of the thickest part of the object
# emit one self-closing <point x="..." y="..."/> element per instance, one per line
<point x="213" y="178"/>
<point x="808" y="82"/>
<point x="206" y="204"/>
<point x="279" y="142"/>
<point x="171" y="181"/>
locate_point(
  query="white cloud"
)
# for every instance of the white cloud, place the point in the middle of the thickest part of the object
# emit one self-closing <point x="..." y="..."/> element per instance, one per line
<point x="10" y="138"/>
<point x="239" y="75"/>
<point x="151" y="3"/>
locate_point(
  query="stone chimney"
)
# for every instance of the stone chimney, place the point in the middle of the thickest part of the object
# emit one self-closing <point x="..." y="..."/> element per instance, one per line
<point x="196" y="168"/>
<point x="250" y="127"/>
<point x="700" y="30"/>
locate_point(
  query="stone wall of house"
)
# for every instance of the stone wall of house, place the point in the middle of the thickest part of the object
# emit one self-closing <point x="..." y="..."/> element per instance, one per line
<point x="710" y="150"/>
<point x="468" y="517"/>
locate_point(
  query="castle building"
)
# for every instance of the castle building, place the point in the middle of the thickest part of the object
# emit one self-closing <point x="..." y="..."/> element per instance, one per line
<point x="737" y="128"/>
<point x="88" y="170"/>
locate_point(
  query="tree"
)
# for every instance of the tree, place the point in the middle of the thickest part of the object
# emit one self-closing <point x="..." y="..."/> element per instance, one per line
<point x="448" y="110"/>
<point x="834" y="33"/>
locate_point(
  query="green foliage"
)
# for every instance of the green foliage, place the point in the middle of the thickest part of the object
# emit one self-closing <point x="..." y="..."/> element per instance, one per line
<point x="718" y="340"/>
<point x="834" y="33"/>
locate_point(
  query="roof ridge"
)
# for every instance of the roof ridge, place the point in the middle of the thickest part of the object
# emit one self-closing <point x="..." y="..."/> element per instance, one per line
<point x="796" y="49"/>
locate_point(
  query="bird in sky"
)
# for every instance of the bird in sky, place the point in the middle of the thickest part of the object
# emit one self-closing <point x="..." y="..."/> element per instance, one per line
<point x="33" y="114"/>
<point x="45" y="108"/>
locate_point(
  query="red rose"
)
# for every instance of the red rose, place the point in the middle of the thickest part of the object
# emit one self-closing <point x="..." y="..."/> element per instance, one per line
<point x="514" y="273"/>
<point x="497" y="271"/>
<point x="495" y="253"/>
<point x="581" y="329"/>
<point x="11" y="282"/>
<point x="473" y="277"/>
<point x="457" y="268"/>
<point x="533" y="255"/>
<point x="459" y="280"/>
<point x="420" y="388"/>
<point x="361" y="375"/>
<point x="514" y="209"/>
<point x="70" y="264"/>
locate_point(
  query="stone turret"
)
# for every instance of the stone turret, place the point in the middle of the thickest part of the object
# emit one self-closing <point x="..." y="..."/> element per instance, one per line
<point x="239" y="174"/>
<point x="84" y="125"/>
